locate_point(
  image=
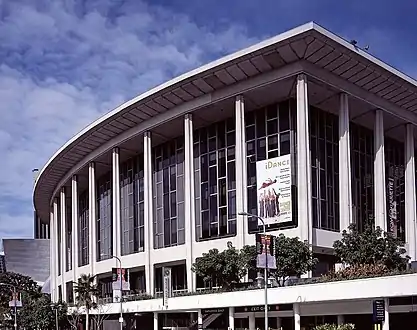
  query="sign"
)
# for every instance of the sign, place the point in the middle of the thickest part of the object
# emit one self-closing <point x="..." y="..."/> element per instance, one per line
<point x="378" y="311"/>
<point x="116" y="274"/>
<point x="250" y="309"/>
<point x="395" y="174"/>
<point x="167" y="287"/>
<point x="265" y="249"/>
<point x="15" y="301"/>
<point x="213" y="311"/>
<point x="273" y="177"/>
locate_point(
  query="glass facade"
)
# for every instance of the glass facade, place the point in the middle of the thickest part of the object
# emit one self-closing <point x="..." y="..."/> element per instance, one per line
<point x="362" y="177"/>
<point x="83" y="229"/>
<point x="324" y="146"/>
<point x="395" y="187"/>
<point x="104" y="220"/>
<point x="270" y="132"/>
<point x="68" y="235"/>
<point x="132" y="206"/>
<point x="215" y="180"/>
<point x="168" y="190"/>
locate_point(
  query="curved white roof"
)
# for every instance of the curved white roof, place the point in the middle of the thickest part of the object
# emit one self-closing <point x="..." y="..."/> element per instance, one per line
<point x="308" y="43"/>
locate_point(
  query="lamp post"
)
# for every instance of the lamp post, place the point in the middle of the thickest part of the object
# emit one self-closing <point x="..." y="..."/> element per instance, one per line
<point x="14" y="299"/>
<point x="266" y="266"/>
<point x="121" y="293"/>
<point x="56" y="307"/>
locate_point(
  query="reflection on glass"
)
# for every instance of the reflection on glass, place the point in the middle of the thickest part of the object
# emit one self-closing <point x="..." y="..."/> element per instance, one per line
<point x="169" y="194"/>
<point x="215" y="180"/>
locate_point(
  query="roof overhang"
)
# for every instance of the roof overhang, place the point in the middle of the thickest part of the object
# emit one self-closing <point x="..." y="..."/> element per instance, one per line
<point x="308" y="48"/>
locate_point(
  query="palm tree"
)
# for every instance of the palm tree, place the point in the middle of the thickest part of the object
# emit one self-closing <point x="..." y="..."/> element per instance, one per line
<point x="86" y="290"/>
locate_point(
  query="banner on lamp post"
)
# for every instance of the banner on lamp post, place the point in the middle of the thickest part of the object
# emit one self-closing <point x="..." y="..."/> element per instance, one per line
<point x="265" y="251"/>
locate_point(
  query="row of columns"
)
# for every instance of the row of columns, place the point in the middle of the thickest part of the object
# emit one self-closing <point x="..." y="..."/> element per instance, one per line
<point x="303" y="182"/>
<point x="296" y="315"/>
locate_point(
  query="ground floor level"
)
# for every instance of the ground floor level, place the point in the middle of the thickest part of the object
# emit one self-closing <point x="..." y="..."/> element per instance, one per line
<point x="282" y="317"/>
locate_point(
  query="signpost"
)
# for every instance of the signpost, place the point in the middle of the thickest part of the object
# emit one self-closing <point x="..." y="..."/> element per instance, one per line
<point x="378" y="313"/>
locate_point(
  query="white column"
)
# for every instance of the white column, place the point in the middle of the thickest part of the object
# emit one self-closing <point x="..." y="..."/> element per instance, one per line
<point x="410" y="193"/>
<point x="74" y="214"/>
<point x="279" y="323"/>
<point x="199" y="319"/>
<point x="379" y="172"/>
<point x="340" y="319"/>
<point x="55" y="244"/>
<point x="189" y="198"/>
<point x="297" y="317"/>
<point x="231" y="318"/>
<point x="148" y="212"/>
<point x="63" y="242"/>
<point x="303" y="162"/>
<point x="155" y="321"/>
<point x="385" y="324"/>
<point x="345" y="187"/>
<point x="116" y="202"/>
<point x="252" y="321"/>
<point x="92" y="242"/>
<point x="52" y="253"/>
<point x="241" y="177"/>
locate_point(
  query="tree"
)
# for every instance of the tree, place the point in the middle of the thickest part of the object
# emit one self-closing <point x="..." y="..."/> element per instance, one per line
<point x="27" y="288"/>
<point x="373" y="246"/>
<point x="86" y="292"/>
<point x="40" y="314"/>
<point x="74" y="317"/>
<point x="101" y="315"/>
<point x="223" y="268"/>
<point x="293" y="257"/>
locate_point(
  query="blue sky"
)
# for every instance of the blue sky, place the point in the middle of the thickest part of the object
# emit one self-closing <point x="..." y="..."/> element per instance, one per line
<point x="65" y="63"/>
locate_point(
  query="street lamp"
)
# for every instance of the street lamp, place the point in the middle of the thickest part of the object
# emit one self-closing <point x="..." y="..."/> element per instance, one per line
<point x="14" y="299"/>
<point x="56" y="307"/>
<point x="266" y="266"/>
<point x="121" y="293"/>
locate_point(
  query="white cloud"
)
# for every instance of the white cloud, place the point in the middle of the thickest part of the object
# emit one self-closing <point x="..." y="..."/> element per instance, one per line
<point x="62" y="69"/>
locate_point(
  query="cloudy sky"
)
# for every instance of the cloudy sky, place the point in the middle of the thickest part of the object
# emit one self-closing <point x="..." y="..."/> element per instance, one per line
<point x="65" y="63"/>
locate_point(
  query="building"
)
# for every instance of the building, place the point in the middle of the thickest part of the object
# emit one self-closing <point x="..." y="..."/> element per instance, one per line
<point x="2" y="263"/>
<point x="161" y="179"/>
<point x="28" y="257"/>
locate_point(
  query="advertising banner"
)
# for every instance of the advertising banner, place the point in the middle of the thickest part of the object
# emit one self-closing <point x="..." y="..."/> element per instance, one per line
<point x="116" y="274"/>
<point x="273" y="177"/>
<point x="167" y="286"/>
<point x="265" y="251"/>
<point x="15" y="301"/>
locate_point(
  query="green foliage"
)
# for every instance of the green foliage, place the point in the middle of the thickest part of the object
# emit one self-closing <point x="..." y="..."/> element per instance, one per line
<point x="370" y="247"/>
<point x="226" y="267"/>
<point x="294" y="258"/>
<point x="24" y="285"/>
<point x="37" y="311"/>
<point x="86" y="293"/>
<point x="86" y="290"/>
<point x="41" y="314"/>
<point x="347" y="326"/>
<point x="357" y="271"/>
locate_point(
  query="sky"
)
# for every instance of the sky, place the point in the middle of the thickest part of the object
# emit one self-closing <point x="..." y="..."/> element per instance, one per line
<point x="63" y="64"/>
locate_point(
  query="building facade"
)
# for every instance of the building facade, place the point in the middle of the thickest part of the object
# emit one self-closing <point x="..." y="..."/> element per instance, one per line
<point x="162" y="179"/>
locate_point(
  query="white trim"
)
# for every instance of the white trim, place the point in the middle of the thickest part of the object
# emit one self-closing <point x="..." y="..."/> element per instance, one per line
<point x="379" y="172"/>
<point x="92" y="246"/>
<point x="117" y="238"/>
